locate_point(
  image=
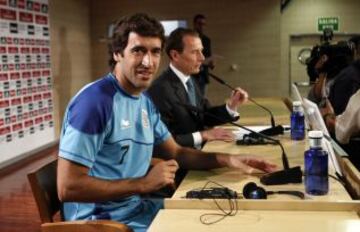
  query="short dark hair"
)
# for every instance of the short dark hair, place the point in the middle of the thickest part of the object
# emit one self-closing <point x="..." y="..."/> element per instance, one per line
<point x="139" y="23"/>
<point x="175" y="40"/>
<point x="198" y="16"/>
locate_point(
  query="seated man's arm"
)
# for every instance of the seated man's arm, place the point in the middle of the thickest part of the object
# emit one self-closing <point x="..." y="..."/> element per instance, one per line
<point x="316" y="92"/>
<point x="225" y="113"/>
<point x="74" y="183"/>
<point x="195" y="159"/>
<point x="167" y="111"/>
<point x="329" y="117"/>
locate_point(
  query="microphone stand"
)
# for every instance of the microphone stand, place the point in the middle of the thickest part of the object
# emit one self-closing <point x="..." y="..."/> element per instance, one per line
<point x="274" y="130"/>
<point x="286" y="176"/>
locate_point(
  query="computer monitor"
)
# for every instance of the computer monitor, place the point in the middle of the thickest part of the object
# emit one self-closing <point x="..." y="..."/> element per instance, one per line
<point x="297" y="97"/>
<point x="313" y="115"/>
<point x="295" y="92"/>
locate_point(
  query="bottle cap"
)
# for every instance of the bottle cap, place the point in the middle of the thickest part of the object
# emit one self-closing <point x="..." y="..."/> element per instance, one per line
<point x="315" y="134"/>
<point x="296" y="103"/>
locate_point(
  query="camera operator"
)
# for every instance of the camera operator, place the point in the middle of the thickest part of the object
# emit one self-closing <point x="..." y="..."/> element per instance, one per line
<point x="342" y="111"/>
<point x="347" y="82"/>
<point x="325" y="63"/>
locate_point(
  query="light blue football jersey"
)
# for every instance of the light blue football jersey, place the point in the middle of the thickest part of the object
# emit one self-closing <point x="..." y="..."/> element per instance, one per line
<point x="113" y="134"/>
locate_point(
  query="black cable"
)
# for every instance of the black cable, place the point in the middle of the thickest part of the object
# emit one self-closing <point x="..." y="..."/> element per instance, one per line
<point x="283" y="155"/>
<point x="338" y="180"/>
<point x="213" y="182"/>
<point x="272" y="120"/>
<point x="233" y="207"/>
<point x="232" y="212"/>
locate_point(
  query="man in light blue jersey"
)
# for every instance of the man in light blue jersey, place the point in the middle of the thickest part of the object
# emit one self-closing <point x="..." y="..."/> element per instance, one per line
<point x="110" y="129"/>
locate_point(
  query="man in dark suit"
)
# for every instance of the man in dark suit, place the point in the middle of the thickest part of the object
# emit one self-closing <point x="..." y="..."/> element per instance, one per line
<point x="176" y="86"/>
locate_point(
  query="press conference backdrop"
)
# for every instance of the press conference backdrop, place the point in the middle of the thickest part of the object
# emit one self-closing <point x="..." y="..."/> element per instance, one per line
<point x="26" y="104"/>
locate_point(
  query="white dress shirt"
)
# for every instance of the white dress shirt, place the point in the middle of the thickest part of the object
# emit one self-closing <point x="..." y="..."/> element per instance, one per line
<point x="348" y="123"/>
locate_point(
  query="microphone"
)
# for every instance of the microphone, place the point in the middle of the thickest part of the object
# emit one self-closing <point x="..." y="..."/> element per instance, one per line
<point x="273" y="130"/>
<point x="286" y="176"/>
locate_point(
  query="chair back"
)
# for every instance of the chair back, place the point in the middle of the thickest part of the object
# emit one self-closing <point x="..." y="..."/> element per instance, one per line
<point x="43" y="186"/>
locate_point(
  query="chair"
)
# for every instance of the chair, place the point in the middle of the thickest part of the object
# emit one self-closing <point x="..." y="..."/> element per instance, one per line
<point x="43" y="186"/>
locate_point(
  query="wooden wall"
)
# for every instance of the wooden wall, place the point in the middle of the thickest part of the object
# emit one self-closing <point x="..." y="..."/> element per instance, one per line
<point x="250" y="34"/>
<point x="246" y="33"/>
<point x="70" y="51"/>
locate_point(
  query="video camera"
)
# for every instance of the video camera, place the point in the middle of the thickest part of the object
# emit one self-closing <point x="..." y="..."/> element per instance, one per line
<point x="336" y="57"/>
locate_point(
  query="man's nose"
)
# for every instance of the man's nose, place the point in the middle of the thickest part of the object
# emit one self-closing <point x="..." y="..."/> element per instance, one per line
<point x="146" y="60"/>
<point x="201" y="57"/>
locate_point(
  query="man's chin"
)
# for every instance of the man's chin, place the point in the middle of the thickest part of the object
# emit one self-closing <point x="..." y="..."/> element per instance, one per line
<point x="196" y="71"/>
<point x="144" y="85"/>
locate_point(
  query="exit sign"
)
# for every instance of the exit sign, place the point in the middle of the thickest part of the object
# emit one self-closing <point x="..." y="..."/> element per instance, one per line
<point x="328" y="22"/>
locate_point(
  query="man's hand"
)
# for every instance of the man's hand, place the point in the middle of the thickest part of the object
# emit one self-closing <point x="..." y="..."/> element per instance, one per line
<point x="237" y="98"/>
<point x="247" y="164"/>
<point x="327" y="109"/>
<point x="162" y="174"/>
<point x="329" y="116"/>
<point x="217" y="133"/>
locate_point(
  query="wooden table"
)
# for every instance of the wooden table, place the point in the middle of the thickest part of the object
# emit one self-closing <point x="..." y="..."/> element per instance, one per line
<point x="335" y="211"/>
<point x="257" y="220"/>
<point x="236" y="180"/>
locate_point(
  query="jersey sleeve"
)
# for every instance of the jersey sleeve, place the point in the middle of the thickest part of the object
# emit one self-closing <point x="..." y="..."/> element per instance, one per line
<point x="84" y="128"/>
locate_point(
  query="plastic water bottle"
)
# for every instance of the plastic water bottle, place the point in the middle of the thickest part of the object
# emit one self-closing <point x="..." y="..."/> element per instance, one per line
<point x="316" y="166"/>
<point x="297" y="122"/>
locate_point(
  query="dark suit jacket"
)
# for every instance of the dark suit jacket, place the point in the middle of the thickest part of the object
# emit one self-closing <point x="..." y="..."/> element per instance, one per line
<point x="346" y="83"/>
<point x="167" y="92"/>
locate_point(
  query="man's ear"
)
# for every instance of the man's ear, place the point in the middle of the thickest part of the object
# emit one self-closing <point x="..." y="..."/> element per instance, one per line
<point x="117" y="56"/>
<point x="174" y="55"/>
